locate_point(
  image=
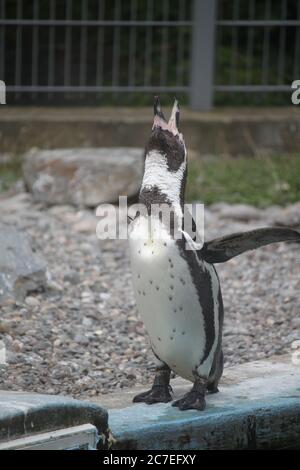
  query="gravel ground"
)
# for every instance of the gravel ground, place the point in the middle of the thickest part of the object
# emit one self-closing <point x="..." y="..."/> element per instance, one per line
<point x="82" y="335"/>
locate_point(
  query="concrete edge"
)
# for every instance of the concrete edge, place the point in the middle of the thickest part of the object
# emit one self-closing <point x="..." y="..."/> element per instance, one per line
<point x="262" y="425"/>
<point x="28" y="414"/>
<point x="221" y="132"/>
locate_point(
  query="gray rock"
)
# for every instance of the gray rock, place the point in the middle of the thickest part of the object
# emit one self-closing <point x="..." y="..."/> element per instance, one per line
<point x="21" y="270"/>
<point x="32" y="302"/>
<point x="289" y="216"/>
<point x="83" y="176"/>
<point x="240" y="212"/>
<point x="5" y="158"/>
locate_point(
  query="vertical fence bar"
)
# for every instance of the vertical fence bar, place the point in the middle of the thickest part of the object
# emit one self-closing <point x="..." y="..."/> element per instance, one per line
<point x="100" y="45"/>
<point x="180" y="44"/>
<point x="250" y="44"/>
<point x="51" y="67"/>
<point x="282" y="36"/>
<point x="164" y="46"/>
<point x="116" y="46"/>
<point x="202" y="57"/>
<point x="148" y="45"/>
<point x="83" y="44"/>
<point x="218" y="41"/>
<point x="132" y="46"/>
<point x="266" y="44"/>
<point x="18" y="56"/>
<point x="68" y="45"/>
<point x="296" y="74"/>
<point x="234" y="44"/>
<point x="2" y="44"/>
<point x="35" y="49"/>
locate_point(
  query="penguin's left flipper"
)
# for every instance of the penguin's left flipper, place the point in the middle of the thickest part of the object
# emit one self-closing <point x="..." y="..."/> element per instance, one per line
<point x="224" y="248"/>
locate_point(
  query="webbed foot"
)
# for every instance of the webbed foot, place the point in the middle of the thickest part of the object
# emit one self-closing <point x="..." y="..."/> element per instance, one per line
<point x="161" y="389"/>
<point x="155" y="395"/>
<point x="195" y="399"/>
<point x="191" y="401"/>
<point x="212" y="389"/>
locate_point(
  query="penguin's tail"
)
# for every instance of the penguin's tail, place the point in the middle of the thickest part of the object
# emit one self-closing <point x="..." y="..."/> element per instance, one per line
<point x="224" y="248"/>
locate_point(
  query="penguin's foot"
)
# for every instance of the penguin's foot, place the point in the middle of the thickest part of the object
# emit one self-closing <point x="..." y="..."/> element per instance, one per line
<point x="161" y="389"/>
<point x="212" y="389"/>
<point x="195" y="399"/>
<point x="155" y="395"/>
<point x="191" y="401"/>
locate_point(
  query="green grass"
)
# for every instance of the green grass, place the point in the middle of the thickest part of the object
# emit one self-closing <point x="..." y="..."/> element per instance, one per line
<point x="9" y="173"/>
<point x="258" y="181"/>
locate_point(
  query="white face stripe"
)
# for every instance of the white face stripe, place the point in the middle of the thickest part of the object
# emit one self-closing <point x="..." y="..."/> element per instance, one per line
<point x="168" y="182"/>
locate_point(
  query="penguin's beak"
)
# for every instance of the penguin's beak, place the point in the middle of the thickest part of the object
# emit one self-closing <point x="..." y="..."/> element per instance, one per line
<point x="174" y="119"/>
<point x="159" y="118"/>
<point x="160" y="121"/>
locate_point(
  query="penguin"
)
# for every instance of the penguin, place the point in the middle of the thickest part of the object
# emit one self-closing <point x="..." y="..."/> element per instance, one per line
<point x="176" y="285"/>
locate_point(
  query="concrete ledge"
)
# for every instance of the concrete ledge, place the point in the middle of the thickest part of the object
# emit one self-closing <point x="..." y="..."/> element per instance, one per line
<point x="26" y="414"/>
<point x="225" y="131"/>
<point x="258" y="407"/>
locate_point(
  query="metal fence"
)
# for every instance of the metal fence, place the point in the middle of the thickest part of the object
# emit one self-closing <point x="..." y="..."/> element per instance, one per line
<point x="59" y="49"/>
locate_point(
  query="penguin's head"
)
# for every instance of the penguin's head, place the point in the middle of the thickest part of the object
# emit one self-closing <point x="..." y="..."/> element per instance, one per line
<point x="165" y="161"/>
<point x="165" y="139"/>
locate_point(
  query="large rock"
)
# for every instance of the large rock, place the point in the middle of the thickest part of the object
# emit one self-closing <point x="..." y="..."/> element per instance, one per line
<point x="83" y="176"/>
<point x="240" y="212"/>
<point x="21" y="270"/>
<point x="289" y="216"/>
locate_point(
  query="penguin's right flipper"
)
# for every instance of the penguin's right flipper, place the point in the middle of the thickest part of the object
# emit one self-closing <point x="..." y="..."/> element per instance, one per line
<point x="224" y="248"/>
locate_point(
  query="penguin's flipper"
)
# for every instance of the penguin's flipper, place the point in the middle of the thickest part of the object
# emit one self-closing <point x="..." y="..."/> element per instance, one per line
<point x="224" y="248"/>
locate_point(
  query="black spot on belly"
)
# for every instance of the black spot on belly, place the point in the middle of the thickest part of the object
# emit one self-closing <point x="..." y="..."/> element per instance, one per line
<point x="157" y="287"/>
<point x="171" y="337"/>
<point x="170" y="298"/>
<point x="183" y="332"/>
<point x="174" y="330"/>
<point x="151" y="282"/>
<point x="171" y="287"/>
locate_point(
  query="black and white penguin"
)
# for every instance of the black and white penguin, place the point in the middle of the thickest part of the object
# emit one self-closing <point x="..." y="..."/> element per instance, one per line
<point x="177" y="289"/>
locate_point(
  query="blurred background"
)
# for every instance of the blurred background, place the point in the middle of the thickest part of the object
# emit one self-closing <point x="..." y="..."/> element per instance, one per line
<point x="216" y="52"/>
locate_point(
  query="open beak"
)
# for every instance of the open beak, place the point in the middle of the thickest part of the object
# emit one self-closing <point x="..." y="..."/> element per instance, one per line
<point x="160" y="121"/>
<point x="174" y="119"/>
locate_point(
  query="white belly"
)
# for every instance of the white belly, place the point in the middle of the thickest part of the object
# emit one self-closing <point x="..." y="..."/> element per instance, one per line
<point x="168" y="303"/>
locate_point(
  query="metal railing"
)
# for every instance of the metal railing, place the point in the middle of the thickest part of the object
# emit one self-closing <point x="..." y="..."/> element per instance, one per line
<point x="200" y="48"/>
